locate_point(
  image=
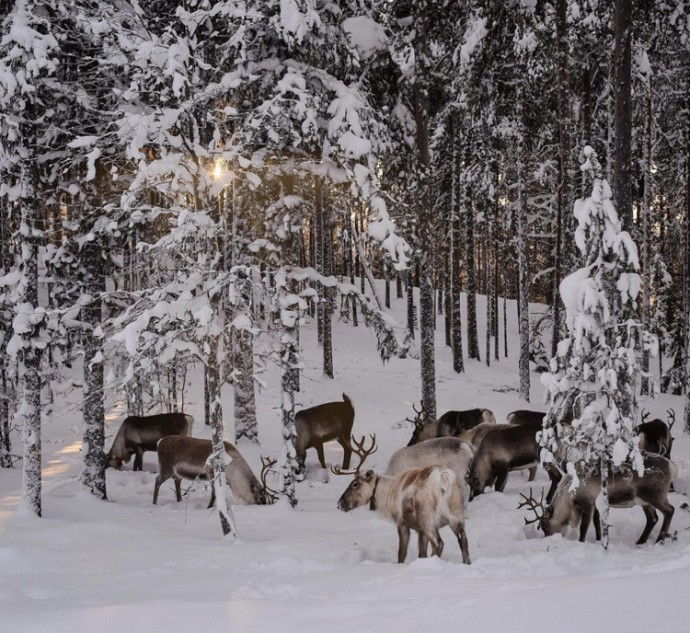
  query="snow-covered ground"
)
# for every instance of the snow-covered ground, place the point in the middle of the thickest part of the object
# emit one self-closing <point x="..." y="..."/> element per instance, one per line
<point x="90" y="566"/>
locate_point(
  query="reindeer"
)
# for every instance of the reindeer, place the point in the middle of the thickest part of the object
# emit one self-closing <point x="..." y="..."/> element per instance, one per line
<point x="625" y="489"/>
<point x="138" y="434"/>
<point x="655" y="435"/>
<point x="449" y="452"/>
<point x="421" y="499"/>
<point x="450" y="424"/>
<point x="183" y="457"/>
<point x="322" y="423"/>
<point x="507" y="448"/>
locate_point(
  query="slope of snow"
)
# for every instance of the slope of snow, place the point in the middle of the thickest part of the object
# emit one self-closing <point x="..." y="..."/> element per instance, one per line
<point x="128" y="565"/>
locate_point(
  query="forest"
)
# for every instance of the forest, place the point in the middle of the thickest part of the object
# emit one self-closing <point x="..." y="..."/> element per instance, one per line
<point x="208" y="206"/>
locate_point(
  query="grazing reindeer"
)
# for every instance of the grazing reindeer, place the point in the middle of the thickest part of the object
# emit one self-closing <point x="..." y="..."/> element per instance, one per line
<point x="322" y="423"/>
<point x="625" y="489"/>
<point x="182" y="457"/>
<point x="450" y="424"/>
<point x="421" y="499"/>
<point x="503" y="450"/>
<point x="655" y="435"/>
<point x="138" y="434"/>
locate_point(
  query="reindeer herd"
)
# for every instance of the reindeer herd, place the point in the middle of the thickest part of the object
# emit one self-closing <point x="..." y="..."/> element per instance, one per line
<point x="429" y="483"/>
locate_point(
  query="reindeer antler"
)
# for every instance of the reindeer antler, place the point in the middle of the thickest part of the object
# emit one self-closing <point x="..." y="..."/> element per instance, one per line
<point x="266" y="464"/>
<point x="671" y="418"/>
<point x="644" y="414"/>
<point x="361" y="452"/>
<point x="419" y="417"/>
<point x="533" y="505"/>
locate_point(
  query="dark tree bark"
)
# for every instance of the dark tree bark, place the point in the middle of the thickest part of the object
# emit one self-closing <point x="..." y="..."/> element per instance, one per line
<point x="326" y="311"/>
<point x="523" y="277"/>
<point x="454" y="252"/>
<point x="623" y="112"/>
<point x="424" y="207"/>
<point x="646" y="259"/>
<point x="564" y="149"/>
<point x="470" y="265"/>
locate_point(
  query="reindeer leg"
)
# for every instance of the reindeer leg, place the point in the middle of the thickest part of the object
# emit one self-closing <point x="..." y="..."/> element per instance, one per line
<point x="347" y="452"/>
<point x="403" y="542"/>
<point x="459" y="531"/>
<point x="319" y="450"/>
<point x="213" y="496"/>
<point x="423" y="542"/>
<point x="667" y="510"/>
<point x="178" y="488"/>
<point x="501" y="477"/>
<point x="436" y="542"/>
<point x="597" y="524"/>
<point x="652" y="518"/>
<point x="157" y="486"/>
<point x="585" y="519"/>
<point x="532" y="473"/>
<point x="138" y="459"/>
<point x="555" y="476"/>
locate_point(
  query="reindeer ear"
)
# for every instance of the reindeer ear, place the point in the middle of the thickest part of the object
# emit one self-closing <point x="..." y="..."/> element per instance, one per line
<point x="369" y="475"/>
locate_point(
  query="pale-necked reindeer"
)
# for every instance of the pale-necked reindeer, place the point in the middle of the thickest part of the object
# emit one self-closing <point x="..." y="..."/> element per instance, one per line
<point x="450" y="424"/>
<point x="449" y="452"/>
<point x="138" y="434"/>
<point x="182" y="457"/>
<point x="420" y="499"/>
<point x="323" y="423"/>
<point x="625" y="489"/>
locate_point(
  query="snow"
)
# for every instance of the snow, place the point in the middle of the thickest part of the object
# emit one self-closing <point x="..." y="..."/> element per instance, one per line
<point x="128" y="565"/>
<point x="366" y="35"/>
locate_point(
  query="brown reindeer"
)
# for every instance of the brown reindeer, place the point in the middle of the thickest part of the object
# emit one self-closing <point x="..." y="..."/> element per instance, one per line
<point x="625" y="489"/>
<point x="655" y="435"/>
<point x="450" y="424"/>
<point x="138" y="434"/>
<point x="507" y="448"/>
<point x="323" y="423"/>
<point x="182" y="457"/>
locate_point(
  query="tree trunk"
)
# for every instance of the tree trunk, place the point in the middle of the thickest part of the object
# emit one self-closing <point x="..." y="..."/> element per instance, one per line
<point x="523" y="279"/>
<point x="646" y="263"/>
<point x="30" y="353"/>
<point x="243" y="387"/>
<point x="93" y="470"/>
<point x="472" y="335"/>
<point x="454" y="252"/>
<point x="424" y="207"/>
<point x="326" y="271"/>
<point x="219" y="460"/>
<point x="604" y="501"/>
<point x="623" y="112"/>
<point x="288" y="315"/>
<point x="564" y="149"/>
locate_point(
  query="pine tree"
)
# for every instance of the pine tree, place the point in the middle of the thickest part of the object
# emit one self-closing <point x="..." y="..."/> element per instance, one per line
<point x="596" y="370"/>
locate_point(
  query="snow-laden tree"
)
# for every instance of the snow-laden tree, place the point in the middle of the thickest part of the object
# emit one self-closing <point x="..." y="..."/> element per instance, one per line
<point x="596" y="371"/>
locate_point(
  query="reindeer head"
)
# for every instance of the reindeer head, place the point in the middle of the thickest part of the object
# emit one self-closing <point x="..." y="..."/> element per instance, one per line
<point x="360" y="491"/>
<point x="265" y="495"/>
<point x="421" y="430"/>
<point x="363" y="487"/>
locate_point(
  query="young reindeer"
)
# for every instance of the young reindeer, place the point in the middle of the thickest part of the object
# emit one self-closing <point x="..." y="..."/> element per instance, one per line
<point x="421" y="499"/>
<point x="625" y="489"/>
<point x="323" y="423"/>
